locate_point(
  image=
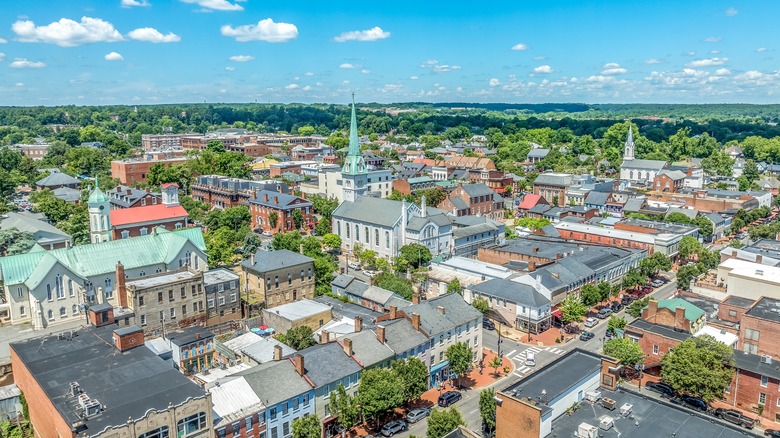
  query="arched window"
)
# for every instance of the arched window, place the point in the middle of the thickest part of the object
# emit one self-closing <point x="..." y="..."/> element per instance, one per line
<point x="338" y="228"/>
<point x="357" y="232"/>
<point x="50" y="314"/>
<point x="58" y="286"/>
<point x="376" y="237"/>
<point x="387" y="239"/>
<point x="366" y="236"/>
<point x="48" y="291"/>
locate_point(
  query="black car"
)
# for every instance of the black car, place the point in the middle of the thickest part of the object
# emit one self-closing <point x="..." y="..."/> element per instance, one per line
<point x="661" y="388"/>
<point x="488" y="324"/>
<point x="448" y="398"/>
<point x="694" y="403"/>
<point x="772" y="433"/>
<point x="626" y="300"/>
<point x="735" y="417"/>
<point x="393" y="428"/>
<point x="586" y="336"/>
<point x="616" y="306"/>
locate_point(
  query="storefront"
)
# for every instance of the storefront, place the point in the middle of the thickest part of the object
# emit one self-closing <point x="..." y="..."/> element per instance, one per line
<point x="439" y="373"/>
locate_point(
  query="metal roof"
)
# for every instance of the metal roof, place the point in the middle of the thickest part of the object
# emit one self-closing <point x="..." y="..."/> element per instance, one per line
<point x="378" y="211"/>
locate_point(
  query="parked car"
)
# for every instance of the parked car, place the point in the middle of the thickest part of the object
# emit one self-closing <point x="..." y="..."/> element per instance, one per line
<point x="530" y="359"/>
<point x="590" y="322"/>
<point x="772" y="433"/>
<point x="488" y="324"/>
<point x="571" y="329"/>
<point x="448" y="398"/>
<point x="626" y="300"/>
<point x="369" y="273"/>
<point x="416" y="415"/>
<point x="354" y="266"/>
<point x="647" y="289"/>
<point x="616" y="306"/>
<point x="586" y="336"/>
<point x="393" y="427"/>
<point x="735" y="417"/>
<point x="661" y="388"/>
<point x="657" y="283"/>
<point x="694" y="403"/>
<point x="604" y="313"/>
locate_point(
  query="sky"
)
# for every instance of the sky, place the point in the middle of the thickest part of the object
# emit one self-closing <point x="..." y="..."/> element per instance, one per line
<point x="84" y="52"/>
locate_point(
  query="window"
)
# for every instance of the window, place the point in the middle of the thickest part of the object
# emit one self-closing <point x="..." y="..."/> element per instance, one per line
<point x="376" y="237"/>
<point x="347" y="230"/>
<point x="221" y="287"/>
<point x="273" y="413"/>
<point x="75" y="309"/>
<point x="143" y="319"/>
<point x="764" y="381"/>
<point x="309" y="273"/>
<point x="19" y="292"/>
<point x="233" y="284"/>
<point x="183" y="293"/>
<point x="183" y="309"/>
<point x="48" y="291"/>
<point x="50" y="314"/>
<point x="159" y="297"/>
<point x="125" y="234"/>
<point x="191" y="424"/>
<point x="296" y="404"/>
<point x="732" y="312"/>
<point x="274" y="433"/>
<point x="140" y="300"/>
<point x="248" y="423"/>
<point x="357" y="232"/>
<point x="63" y="312"/>
<point x="170" y="295"/>
<point x="387" y="239"/>
<point x="144" y="231"/>
<point x="751" y="334"/>
<point x="221" y="301"/>
<point x="285" y="409"/>
<point x="655" y="349"/>
<point x="750" y="348"/>
<point x="233" y="298"/>
<point x="160" y="432"/>
<point x="306" y="399"/>
<point x="221" y="432"/>
<point x="762" y="398"/>
<point x="172" y="311"/>
<point x="286" y="428"/>
<point x="211" y="303"/>
<point x="236" y="428"/>
<point x="276" y="280"/>
<point x="21" y="311"/>
<point x="289" y="279"/>
<point x="58" y="286"/>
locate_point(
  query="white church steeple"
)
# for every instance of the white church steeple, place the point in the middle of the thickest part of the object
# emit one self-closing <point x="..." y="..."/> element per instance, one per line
<point x="628" y="154"/>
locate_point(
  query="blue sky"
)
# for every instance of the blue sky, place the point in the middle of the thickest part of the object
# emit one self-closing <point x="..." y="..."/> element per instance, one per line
<point x="169" y="51"/>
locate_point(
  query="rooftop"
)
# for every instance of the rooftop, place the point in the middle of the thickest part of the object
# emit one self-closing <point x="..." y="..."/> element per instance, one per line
<point x="267" y="261"/>
<point x="265" y="380"/>
<point x="766" y="308"/>
<point x="162" y="278"/>
<point x="234" y="400"/>
<point x="658" y="329"/>
<point x="755" y="271"/>
<point x="349" y="310"/>
<point x="189" y="335"/>
<point x="383" y="212"/>
<point x="327" y="363"/>
<point x="43" y="232"/>
<point x="367" y="349"/>
<point x="299" y="309"/>
<point x="149" y="213"/>
<point x="692" y="313"/>
<point x="221" y="275"/>
<point x="262" y="351"/>
<point x="57" y="179"/>
<point x="511" y="291"/>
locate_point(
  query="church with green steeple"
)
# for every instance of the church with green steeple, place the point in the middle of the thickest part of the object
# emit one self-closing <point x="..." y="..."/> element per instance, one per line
<point x="354" y="174"/>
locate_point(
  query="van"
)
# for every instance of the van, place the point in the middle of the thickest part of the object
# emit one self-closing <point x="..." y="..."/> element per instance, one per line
<point x="354" y="266"/>
<point x="530" y="359"/>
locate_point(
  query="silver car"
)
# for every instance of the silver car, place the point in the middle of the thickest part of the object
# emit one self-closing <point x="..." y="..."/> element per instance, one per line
<point x="416" y="415"/>
<point x="590" y="322"/>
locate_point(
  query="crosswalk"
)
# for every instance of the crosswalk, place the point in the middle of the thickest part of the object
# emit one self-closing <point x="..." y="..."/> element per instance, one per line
<point x="521" y="370"/>
<point x="554" y="350"/>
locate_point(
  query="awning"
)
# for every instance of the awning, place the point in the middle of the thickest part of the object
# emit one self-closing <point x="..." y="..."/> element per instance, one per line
<point x="557" y="313"/>
<point x="439" y="366"/>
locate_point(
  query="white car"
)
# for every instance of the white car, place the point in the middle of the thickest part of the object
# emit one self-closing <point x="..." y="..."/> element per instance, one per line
<point x="369" y="273"/>
<point x="590" y="322"/>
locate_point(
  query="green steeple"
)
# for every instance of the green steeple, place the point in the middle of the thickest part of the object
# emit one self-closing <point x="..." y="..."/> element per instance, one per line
<point x="354" y="163"/>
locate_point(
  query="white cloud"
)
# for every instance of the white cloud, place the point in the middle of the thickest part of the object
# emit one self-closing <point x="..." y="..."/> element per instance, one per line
<point x="2" y="41"/>
<point x="153" y="35"/>
<point x="264" y="30"/>
<point x="134" y="3"/>
<point x="345" y="82"/>
<point x="374" y="34"/>
<point x="543" y="69"/>
<point x="698" y="63"/>
<point x="217" y="5"/>
<point x="348" y="65"/>
<point x="540" y="58"/>
<point x="439" y="68"/>
<point x="459" y="89"/>
<point x="722" y="72"/>
<point x="715" y="52"/>
<point x="730" y="12"/>
<point x="600" y="79"/>
<point x="414" y="78"/>
<point x="113" y="56"/>
<point x="613" y="68"/>
<point x="761" y="49"/>
<point x="520" y="46"/>
<point x="19" y="84"/>
<point x="24" y="63"/>
<point x="365" y="71"/>
<point x="652" y="61"/>
<point x="308" y="73"/>
<point x="494" y="82"/>
<point x="291" y="86"/>
<point x="691" y="53"/>
<point x="241" y="58"/>
<point x="307" y="88"/>
<point x="66" y="32"/>
<point x="712" y="39"/>
<point x="230" y="68"/>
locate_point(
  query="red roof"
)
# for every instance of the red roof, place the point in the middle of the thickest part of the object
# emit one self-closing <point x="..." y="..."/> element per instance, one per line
<point x="529" y="201"/>
<point x="166" y="185"/>
<point x="149" y="213"/>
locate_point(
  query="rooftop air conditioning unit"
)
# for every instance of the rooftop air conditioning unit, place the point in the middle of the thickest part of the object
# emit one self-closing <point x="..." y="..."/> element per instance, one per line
<point x="766" y="359"/>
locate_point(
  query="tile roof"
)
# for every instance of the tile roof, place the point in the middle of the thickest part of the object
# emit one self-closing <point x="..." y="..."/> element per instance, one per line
<point x="149" y="213"/>
<point x="267" y="261"/>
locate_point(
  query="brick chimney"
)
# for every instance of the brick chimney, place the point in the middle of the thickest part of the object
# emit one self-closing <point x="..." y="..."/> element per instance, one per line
<point x="324" y="337"/>
<point x="380" y="334"/>
<point x="299" y="368"/>
<point x="128" y="192"/>
<point x="276" y="199"/>
<point x="416" y="321"/>
<point x="358" y="324"/>
<point x="441" y="309"/>
<point x="531" y="266"/>
<point x="415" y="298"/>
<point x="126" y="338"/>
<point x="254" y="194"/>
<point x="393" y="312"/>
<point x="347" y="346"/>
<point x="648" y="314"/>
<point x="679" y="319"/>
<point x="277" y="352"/>
<point x="265" y="197"/>
<point x="121" y="288"/>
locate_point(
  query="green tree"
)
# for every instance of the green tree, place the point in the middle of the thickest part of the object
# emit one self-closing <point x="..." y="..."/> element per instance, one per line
<point x="590" y="294"/>
<point x="442" y="422"/>
<point x="650" y="266"/>
<point x="688" y="246"/>
<point x="454" y="286"/>
<point x="215" y="146"/>
<point x="343" y="407"/>
<point x="413" y="374"/>
<point x="495" y="363"/>
<point x="196" y="210"/>
<point x="307" y="427"/>
<point x="331" y="240"/>
<point x="705" y="225"/>
<point x="678" y="218"/>
<point x="87" y="161"/>
<point x="487" y="407"/>
<point x="616" y="323"/>
<point x="297" y="217"/>
<point x="390" y="281"/>
<point x="306" y="130"/>
<point x="572" y="309"/>
<point x="635" y="308"/>
<point x="634" y="277"/>
<point x="625" y="350"/>
<point x="273" y="219"/>
<point x="380" y="390"/>
<point x="480" y="304"/>
<point x="251" y="244"/>
<point x="460" y="358"/>
<point x="297" y="338"/>
<point x="415" y="254"/>
<point x="323" y="226"/>
<point x="699" y="366"/>
<point x="750" y="171"/>
<point x="532" y="223"/>
<point x="13" y="241"/>
<point x="686" y="274"/>
<point x="220" y="246"/>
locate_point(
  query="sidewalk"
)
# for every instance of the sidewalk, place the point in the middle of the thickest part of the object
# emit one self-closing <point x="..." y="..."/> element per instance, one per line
<point x="544" y="339"/>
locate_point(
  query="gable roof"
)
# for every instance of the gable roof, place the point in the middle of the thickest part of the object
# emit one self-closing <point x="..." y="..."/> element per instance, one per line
<point x="597" y="198"/>
<point x="456" y="312"/>
<point x="367" y="349"/>
<point x="383" y="212"/>
<point x="67" y="194"/>
<point x="57" y="179"/>
<point x="266" y="379"/>
<point x="643" y="164"/>
<point x="266" y="261"/>
<point x="530" y="200"/>
<point x="518" y="293"/>
<point x="327" y="363"/>
<point x="478" y="189"/>
<point x="692" y="313"/>
<point x="43" y="232"/>
<point x="150" y="213"/>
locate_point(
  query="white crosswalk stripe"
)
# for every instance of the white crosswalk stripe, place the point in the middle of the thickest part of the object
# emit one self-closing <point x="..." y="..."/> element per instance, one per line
<point x="554" y="350"/>
<point x="522" y="370"/>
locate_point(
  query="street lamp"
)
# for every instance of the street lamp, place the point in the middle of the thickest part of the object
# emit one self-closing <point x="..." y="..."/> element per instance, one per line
<point x="500" y="323"/>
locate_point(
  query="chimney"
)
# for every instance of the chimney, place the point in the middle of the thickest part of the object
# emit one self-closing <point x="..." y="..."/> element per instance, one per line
<point x="531" y="266"/>
<point x="300" y="249"/>
<point x="380" y="334"/>
<point x="121" y="289"/>
<point x="265" y="197"/>
<point x="393" y="312"/>
<point x="423" y="207"/>
<point x="358" y="324"/>
<point x="197" y="335"/>
<point x="126" y="338"/>
<point x="652" y="309"/>
<point x="324" y="337"/>
<point x="415" y="298"/>
<point x="299" y="365"/>
<point x="348" y="347"/>
<point x="679" y="319"/>
<point x="277" y="352"/>
<point x="416" y="321"/>
<point x="536" y="249"/>
<point x="118" y="189"/>
<point x="759" y="258"/>
<point x="148" y="190"/>
<point x="254" y="194"/>
<point x="441" y="309"/>
<point x="276" y="199"/>
<point x="128" y="192"/>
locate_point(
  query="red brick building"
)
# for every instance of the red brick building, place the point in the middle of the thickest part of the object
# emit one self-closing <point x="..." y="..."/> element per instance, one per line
<point x="669" y="181"/>
<point x="755" y="382"/>
<point x="223" y="192"/>
<point x="675" y="313"/>
<point x="496" y="180"/>
<point x="140" y="221"/>
<point x="759" y="328"/>
<point x="132" y="170"/>
<point x="264" y="204"/>
<point x="474" y="199"/>
<point x="129" y="197"/>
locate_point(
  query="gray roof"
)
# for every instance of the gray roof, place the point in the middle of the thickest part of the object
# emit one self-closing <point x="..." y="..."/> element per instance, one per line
<point x="284" y="199"/>
<point x="518" y="293"/>
<point x="342" y="280"/>
<point x="715" y="218"/>
<point x="538" y="153"/>
<point x="57" y="179"/>
<point x="188" y="335"/>
<point x="686" y="211"/>
<point x="367" y="349"/>
<point x="643" y="164"/>
<point x="44" y="233"/>
<point x="266" y="381"/>
<point x="67" y="194"/>
<point x="465" y="221"/>
<point x="327" y="363"/>
<point x="128" y="383"/>
<point x="554" y="179"/>
<point x="738" y="301"/>
<point x="349" y="310"/>
<point x="267" y="261"/>
<point x="766" y="308"/>
<point x="551" y="231"/>
<point x="262" y="351"/>
<point x="633" y="205"/>
<point x="382" y="212"/>
<point x="657" y="329"/>
<point x="125" y="196"/>
<point x="457" y="312"/>
<point x="473" y="230"/>
<point x="478" y="189"/>
<point x="752" y="362"/>
<point x="673" y="174"/>
<point x="220" y="275"/>
<point x="596" y="198"/>
<point x="459" y="203"/>
<point x="401" y="336"/>
<point x="417" y="223"/>
<point x="539" y="208"/>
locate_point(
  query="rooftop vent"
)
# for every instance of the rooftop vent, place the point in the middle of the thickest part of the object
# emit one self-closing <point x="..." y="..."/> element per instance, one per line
<point x="91" y="407"/>
<point x="766" y="359"/>
<point x="74" y="389"/>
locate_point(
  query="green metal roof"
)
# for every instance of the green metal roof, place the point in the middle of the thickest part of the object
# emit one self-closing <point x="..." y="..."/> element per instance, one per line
<point x="97" y="197"/>
<point x="419" y="179"/>
<point x="100" y="258"/>
<point x="692" y="313"/>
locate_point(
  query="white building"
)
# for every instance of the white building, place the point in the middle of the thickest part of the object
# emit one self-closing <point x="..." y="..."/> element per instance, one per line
<point x="634" y="170"/>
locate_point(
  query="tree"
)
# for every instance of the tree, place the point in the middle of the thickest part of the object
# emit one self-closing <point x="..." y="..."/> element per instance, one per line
<point x="273" y="219"/>
<point x="750" y="171"/>
<point x="297" y="217"/>
<point x="401" y="286"/>
<point x="480" y="304"/>
<point x="251" y="244"/>
<point x="495" y="363"/>
<point x="196" y="210"/>
<point x="331" y="240"/>
<point x="625" y="350"/>
<point x="590" y="294"/>
<point x="380" y="390"/>
<point x="705" y="225"/>
<point x="678" y="218"/>
<point x="572" y="309"/>
<point x="297" y="338"/>
<point x="13" y="241"/>
<point x="650" y="266"/>
<point x="460" y="357"/>
<point x="413" y="374"/>
<point x="343" y="407"/>
<point x="415" y="254"/>
<point x="442" y="422"/>
<point x="635" y="308"/>
<point x="215" y="146"/>
<point x="487" y="407"/>
<point x="532" y="223"/>
<point x="688" y="246"/>
<point x="616" y="323"/>
<point x="686" y="274"/>
<point x="699" y="366"/>
<point x="307" y="427"/>
<point x="634" y="277"/>
<point x="454" y="286"/>
<point x="323" y="226"/>
<point x="367" y="257"/>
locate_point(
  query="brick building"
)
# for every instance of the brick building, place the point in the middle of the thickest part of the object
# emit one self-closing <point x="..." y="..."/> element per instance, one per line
<point x="132" y="170"/>
<point x="669" y="181"/>
<point x="409" y="185"/>
<point x="193" y="350"/>
<point x="141" y="221"/>
<point x="496" y="180"/>
<point x="655" y="340"/>
<point x="675" y="313"/>
<point x="279" y="277"/>
<point x="759" y="328"/>
<point x="706" y="201"/>
<point x="223" y="192"/>
<point x="223" y="298"/>
<point x="36" y="151"/>
<point x="474" y="199"/>
<point x="129" y="197"/>
<point x="733" y="307"/>
<point x="264" y="204"/>
<point x="161" y="141"/>
<point x="552" y="187"/>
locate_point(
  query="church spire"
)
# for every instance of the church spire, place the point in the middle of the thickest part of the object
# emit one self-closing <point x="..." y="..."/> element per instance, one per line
<point x="354" y="142"/>
<point x="628" y="154"/>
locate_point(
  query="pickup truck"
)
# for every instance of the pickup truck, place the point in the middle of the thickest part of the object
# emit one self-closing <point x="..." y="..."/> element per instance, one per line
<point x="734" y="417"/>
